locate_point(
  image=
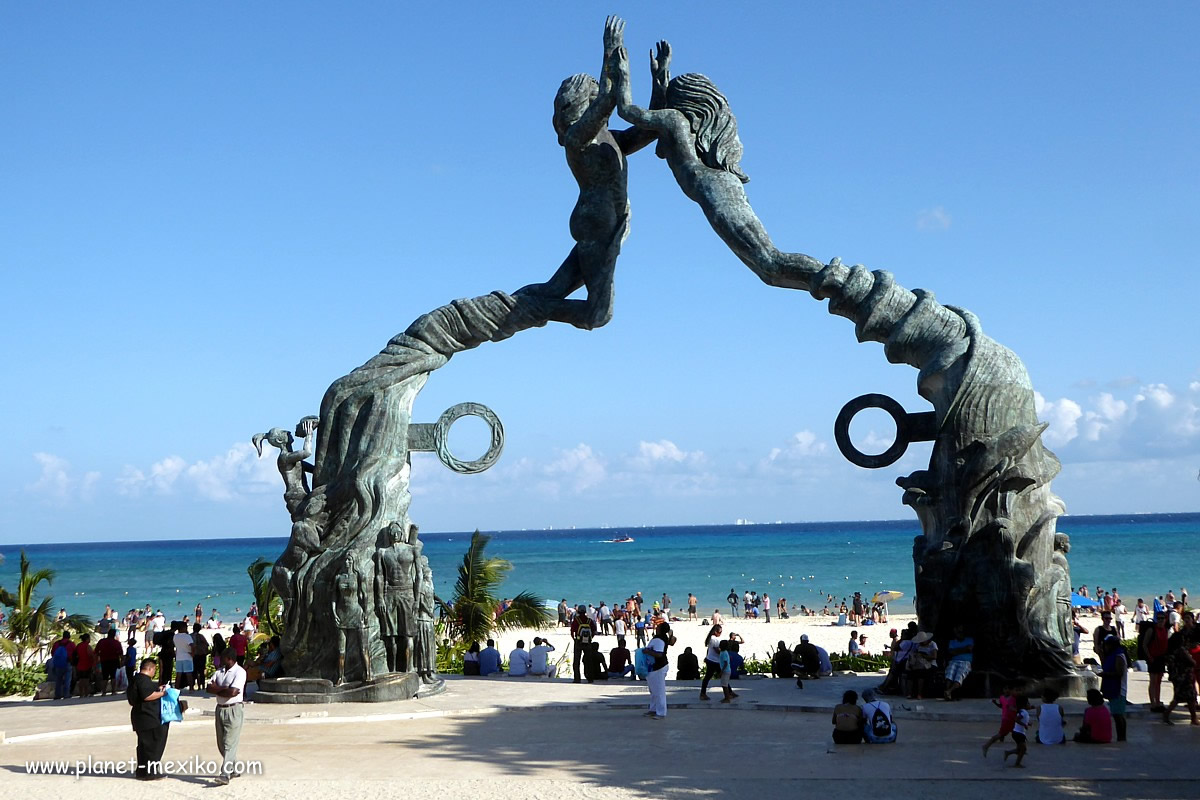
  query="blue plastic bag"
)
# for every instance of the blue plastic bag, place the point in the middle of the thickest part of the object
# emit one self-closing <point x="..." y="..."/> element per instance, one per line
<point x="169" y="706"/>
<point x="641" y="664"/>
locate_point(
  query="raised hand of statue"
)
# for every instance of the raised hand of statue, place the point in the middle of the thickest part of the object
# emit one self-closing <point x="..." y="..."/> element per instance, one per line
<point x="614" y="35"/>
<point x="660" y="65"/>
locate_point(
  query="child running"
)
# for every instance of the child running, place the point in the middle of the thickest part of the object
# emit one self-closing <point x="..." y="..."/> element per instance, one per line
<point x="1008" y="717"/>
<point x="1018" y="732"/>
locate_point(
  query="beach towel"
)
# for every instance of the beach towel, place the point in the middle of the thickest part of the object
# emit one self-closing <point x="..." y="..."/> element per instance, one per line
<point x="641" y="665"/>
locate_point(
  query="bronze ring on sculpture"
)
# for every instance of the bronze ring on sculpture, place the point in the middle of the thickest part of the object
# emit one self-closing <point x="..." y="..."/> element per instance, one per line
<point x="909" y="428"/>
<point x="441" y="431"/>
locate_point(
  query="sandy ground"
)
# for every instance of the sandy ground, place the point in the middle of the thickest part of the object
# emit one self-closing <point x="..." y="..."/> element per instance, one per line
<point x="761" y="637"/>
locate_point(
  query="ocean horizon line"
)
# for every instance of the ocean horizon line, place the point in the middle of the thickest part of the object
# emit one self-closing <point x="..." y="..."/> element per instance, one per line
<point x="815" y="525"/>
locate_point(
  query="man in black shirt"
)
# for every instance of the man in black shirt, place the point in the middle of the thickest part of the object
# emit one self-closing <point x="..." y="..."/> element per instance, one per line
<point x="144" y="694"/>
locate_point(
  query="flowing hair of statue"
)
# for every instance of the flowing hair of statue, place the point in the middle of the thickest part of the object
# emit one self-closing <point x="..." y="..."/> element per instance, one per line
<point x="717" y="142"/>
<point x="576" y="90"/>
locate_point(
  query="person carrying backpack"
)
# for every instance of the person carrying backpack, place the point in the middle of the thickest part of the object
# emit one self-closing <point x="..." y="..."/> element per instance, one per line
<point x="879" y="727"/>
<point x="581" y="634"/>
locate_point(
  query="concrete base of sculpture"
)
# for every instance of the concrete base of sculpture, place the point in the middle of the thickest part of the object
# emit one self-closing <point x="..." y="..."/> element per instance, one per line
<point x="394" y="686"/>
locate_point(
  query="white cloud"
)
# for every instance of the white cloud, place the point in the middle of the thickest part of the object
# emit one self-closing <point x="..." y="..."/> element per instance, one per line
<point x="802" y="446"/>
<point x="578" y="469"/>
<point x="1155" y="421"/>
<point x="55" y="480"/>
<point x="933" y="219"/>
<point x="664" y="455"/>
<point x="56" y="483"/>
<point x="236" y="472"/>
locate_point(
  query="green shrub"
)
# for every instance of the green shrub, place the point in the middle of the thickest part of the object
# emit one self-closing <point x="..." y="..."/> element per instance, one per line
<point x="847" y="663"/>
<point x="21" y="681"/>
<point x="1131" y="650"/>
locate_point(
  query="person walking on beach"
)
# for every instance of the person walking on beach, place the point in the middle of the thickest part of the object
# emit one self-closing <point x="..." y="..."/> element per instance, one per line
<point x="766" y="606"/>
<point x="1103" y="631"/>
<point x="229" y="685"/>
<point x="581" y="637"/>
<point x="712" y="658"/>
<point x="726" y="671"/>
<point x="145" y="715"/>
<point x="656" y="676"/>
<point x="692" y="602"/>
<point x="732" y="599"/>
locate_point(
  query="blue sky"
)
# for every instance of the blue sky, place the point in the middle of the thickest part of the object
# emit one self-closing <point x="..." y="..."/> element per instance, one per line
<point x="213" y="211"/>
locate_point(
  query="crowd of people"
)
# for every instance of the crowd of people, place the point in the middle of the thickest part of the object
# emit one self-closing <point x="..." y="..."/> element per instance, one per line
<point x="101" y="662"/>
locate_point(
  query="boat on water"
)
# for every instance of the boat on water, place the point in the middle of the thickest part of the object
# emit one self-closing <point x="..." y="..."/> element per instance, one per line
<point x="622" y="539"/>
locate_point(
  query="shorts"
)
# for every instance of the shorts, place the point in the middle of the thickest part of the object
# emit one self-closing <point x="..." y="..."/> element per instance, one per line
<point x="183" y="666"/>
<point x="957" y="671"/>
<point x="1006" y="726"/>
<point x="1157" y="666"/>
<point x="1116" y="706"/>
<point x="691" y="609"/>
<point x="1018" y="737"/>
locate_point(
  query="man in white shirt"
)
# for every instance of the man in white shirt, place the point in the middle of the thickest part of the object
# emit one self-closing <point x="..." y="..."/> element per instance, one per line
<point x="539" y="658"/>
<point x="184" y="645"/>
<point x="605" y="615"/>
<point x="229" y="685"/>
<point x="519" y="662"/>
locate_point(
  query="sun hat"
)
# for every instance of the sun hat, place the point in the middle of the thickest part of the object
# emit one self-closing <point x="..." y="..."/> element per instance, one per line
<point x="922" y="637"/>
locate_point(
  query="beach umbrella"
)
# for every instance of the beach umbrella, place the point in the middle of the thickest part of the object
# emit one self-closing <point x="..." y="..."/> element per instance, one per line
<point x="886" y="597"/>
<point x="1079" y="601"/>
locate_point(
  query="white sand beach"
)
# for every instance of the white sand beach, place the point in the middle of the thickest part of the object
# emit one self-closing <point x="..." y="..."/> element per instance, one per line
<point x="761" y="637"/>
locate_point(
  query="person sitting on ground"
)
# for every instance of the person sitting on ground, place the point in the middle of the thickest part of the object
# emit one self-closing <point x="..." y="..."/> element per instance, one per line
<point x="806" y="661"/>
<point x="848" y="720"/>
<point x="519" y="661"/>
<point x="471" y="660"/>
<point x="879" y="727"/>
<point x="489" y="659"/>
<point x="687" y="666"/>
<point x="272" y="661"/>
<point x="781" y="661"/>
<point x="620" y="662"/>
<point x="1097" y="721"/>
<point x="594" y="668"/>
<point x="959" y="666"/>
<point x="1051" y="720"/>
<point x="539" y="658"/>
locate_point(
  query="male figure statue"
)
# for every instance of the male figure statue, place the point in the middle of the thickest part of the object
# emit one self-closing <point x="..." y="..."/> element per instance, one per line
<point x="349" y="615"/>
<point x="397" y="582"/>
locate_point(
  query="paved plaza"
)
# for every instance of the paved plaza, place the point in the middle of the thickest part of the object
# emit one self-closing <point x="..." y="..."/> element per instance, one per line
<point x="528" y="738"/>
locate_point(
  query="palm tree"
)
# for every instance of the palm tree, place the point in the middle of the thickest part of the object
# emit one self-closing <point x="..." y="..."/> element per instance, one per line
<point x="31" y="626"/>
<point x="473" y="607"/>
<point x="270" y="604"/>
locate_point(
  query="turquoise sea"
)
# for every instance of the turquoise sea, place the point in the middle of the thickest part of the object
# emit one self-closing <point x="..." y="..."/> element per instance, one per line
<point x="1142" y="555"/>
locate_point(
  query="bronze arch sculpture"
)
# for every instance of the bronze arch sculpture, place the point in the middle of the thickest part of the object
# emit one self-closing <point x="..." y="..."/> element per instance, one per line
<point x="986" y="508"/>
